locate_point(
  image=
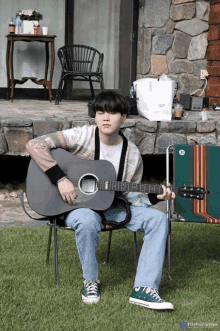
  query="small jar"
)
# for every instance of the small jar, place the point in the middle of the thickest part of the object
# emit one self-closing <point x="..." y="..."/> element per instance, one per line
<point x="12" y="26"/>
<point x="36" y="29"/>
<point x="204" y="114"/>
<point x="178" y="111"/>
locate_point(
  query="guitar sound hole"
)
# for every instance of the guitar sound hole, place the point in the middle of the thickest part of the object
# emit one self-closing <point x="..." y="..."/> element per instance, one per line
<point x="87" y="184"/>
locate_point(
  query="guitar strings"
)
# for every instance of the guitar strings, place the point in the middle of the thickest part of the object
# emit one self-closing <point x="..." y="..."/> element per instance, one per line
<point x="103" y="180"/>
<point x="151" y="188"/>
<point x="121" y="183"/>
<point x="157" y="188"/>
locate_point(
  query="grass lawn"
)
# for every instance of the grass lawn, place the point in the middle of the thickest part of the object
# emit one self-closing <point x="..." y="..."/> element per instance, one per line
<point x="30" y="300"/>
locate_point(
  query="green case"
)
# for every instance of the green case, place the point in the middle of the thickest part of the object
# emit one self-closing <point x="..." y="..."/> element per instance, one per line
<point x="183" y="165"/>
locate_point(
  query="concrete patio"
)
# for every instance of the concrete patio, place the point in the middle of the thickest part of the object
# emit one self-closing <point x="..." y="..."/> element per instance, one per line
<point x="42" y="109"/>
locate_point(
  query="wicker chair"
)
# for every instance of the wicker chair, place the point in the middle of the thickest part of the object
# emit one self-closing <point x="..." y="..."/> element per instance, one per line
<point x="77" y="63"/>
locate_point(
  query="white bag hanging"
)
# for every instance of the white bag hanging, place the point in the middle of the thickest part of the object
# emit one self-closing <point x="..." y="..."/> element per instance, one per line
<point x="155" y="98"/>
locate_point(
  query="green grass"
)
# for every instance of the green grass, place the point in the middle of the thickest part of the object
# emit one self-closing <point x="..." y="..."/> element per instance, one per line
<point x="30" y="300"/>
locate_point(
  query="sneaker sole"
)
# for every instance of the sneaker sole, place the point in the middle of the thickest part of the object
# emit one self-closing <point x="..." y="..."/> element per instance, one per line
<point x="90" y="300"/>
<point x="152" y="305"/>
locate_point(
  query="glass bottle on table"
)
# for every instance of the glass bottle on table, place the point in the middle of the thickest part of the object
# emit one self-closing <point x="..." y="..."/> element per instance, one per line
<point x="18" y="25"/>
<point x="12" y="26"/>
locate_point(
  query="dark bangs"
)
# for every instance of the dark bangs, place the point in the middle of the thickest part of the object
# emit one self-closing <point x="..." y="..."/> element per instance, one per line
<point x="110" y="101"/>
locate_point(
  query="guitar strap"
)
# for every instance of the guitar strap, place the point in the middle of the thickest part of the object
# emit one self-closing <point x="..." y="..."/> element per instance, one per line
<point x="119" y="201"/>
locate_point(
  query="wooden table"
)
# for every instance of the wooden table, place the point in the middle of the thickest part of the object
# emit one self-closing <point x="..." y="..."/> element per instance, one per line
<point x="11" y="81"/>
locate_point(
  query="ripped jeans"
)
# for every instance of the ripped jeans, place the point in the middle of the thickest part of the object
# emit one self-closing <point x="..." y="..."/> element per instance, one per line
<point x="87" y="224"/>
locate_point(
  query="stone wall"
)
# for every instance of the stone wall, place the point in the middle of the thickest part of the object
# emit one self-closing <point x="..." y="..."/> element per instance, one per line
<point x="172" y="39"/>
<point x="149" y="136"/>
<point x="213" y="52"/>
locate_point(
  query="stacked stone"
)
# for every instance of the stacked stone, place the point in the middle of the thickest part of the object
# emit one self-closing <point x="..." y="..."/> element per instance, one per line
<point x="213" y="53"/>
<point x="11" y="191"/>
<point x="150" y="137"/>
<point x="172" y="39"/>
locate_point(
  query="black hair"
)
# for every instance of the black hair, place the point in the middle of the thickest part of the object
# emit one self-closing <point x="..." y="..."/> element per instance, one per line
<point x="110" y="101"/>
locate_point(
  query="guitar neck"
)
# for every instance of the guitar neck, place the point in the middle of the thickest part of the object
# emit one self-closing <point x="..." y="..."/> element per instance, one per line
<point x="109" y="185"/>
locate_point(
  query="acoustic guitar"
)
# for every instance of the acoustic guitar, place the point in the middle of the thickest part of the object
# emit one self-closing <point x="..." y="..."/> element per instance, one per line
<point x="95" y="184"/>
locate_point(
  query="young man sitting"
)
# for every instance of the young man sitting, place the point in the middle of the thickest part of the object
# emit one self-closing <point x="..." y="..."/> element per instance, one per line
<point x="106" y="141"/>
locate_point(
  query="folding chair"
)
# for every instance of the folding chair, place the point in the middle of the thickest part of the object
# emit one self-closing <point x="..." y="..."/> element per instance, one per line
<point x="59" y="224"/>
<point x="198" y="166"/>
<point x="55" y="223"/>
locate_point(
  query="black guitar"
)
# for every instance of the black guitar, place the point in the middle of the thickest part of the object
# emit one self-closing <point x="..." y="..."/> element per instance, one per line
<point x="94" y="183"/>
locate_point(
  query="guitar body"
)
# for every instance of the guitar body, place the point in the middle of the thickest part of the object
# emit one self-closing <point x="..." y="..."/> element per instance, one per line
<point x="95" y="185"/>
<point x="45" y="199"/>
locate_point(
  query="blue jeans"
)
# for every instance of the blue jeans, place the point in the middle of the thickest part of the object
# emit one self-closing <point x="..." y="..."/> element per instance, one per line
<point x="87" y="225"/>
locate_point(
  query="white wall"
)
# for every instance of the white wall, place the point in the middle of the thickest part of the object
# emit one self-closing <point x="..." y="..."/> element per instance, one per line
<point x="96" y="24"/>
<point x="29" y="58"/>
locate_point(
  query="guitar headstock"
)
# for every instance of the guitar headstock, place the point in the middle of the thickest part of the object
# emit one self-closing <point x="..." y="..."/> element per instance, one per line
<point x="191" y="192"/>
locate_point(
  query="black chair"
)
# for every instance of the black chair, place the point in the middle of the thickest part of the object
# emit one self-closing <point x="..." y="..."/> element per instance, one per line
<point x="77" y="63"/>
<point x="58" y="223"/>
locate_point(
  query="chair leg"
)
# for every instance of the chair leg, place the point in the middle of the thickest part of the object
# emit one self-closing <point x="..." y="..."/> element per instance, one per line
<point x="58" y="92"/>
<point x="56" y="98"/>
<point x="109" y="246"/>
<point x="169" y="251"/>
<point x="55" y="250"/>
<point x="62" y="85"/>
<point x="63" y="89"/>
<point x="91" y="87"/>
<point x="135" y="250"/>
<point x="102" y="85"/>
<point x="49" y="244"/>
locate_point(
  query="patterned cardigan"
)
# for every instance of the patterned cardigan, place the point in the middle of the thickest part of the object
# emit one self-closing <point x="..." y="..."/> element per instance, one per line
<point x="80" y="141"/>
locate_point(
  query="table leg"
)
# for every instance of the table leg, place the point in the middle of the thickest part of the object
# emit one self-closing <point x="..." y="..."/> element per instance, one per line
<point x="12" y="69"/>
<point x="47" y="65"/>
<point x="51" y="69"/>
<point x="7" y="69"/>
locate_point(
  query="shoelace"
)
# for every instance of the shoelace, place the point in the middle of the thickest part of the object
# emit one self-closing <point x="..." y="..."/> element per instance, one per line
<point x="153" y="292"/>
<point x="91" y="287"/>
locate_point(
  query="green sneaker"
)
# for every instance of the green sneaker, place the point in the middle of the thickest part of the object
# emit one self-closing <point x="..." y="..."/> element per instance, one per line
<point x="90" y="291"/>
<point x="148" y="297"/>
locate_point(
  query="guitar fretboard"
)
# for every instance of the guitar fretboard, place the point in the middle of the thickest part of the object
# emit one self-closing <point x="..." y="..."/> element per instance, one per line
<point x="109" y="185"/>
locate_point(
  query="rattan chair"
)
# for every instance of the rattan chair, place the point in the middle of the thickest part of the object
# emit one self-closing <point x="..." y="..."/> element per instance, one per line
<point x="77" y="63"/>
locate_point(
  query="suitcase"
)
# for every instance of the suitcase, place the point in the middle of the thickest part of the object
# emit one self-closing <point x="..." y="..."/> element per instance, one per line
<point x="197" y="165"/>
